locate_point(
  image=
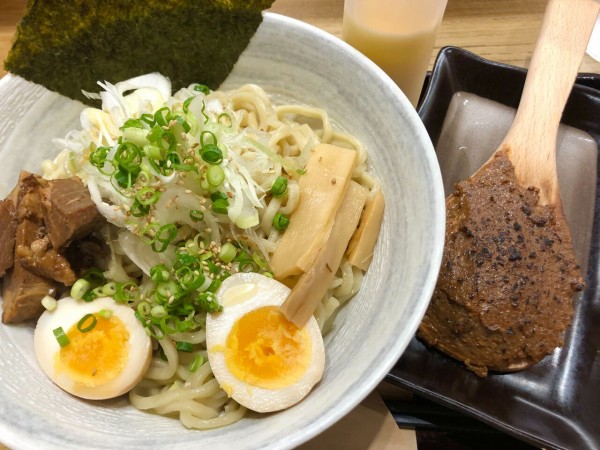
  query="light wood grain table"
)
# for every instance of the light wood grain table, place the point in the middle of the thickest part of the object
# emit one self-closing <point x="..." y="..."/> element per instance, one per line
<point x="500" y="30"/>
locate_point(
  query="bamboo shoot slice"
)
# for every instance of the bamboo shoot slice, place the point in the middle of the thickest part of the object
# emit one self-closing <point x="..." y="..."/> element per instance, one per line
<point x="322" y="189"/>
<point x="312" y="285"/>
<point x="362" y="245"/>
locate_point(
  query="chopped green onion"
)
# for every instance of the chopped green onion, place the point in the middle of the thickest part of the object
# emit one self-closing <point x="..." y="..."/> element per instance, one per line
<point x="86" y="328"/>
<point x="144" y="309"/>
<point x="184" y="346"/>
<point x="105" y="313"/>
<point x="154" y="152"/>
<point x="166" y="233"/>
<point x="49" y="303"/>
<point x="98" y="156"/>
<point x="95" y="276"/>
<point x="197" y="362"/>
<point x="202" y="88"/>
<point x="174" y="161"/>
<point x="168" y="289"/>
<point x="79" y="288"/>
<point x="214" y="196"/>
<point x="220" y="206"/>
<point x="181" y="121"/>
<point x="196" y="215"/>
<point x="96" y="292"/>
<point x="300" y="171"/>
<point x="89" y="296"/>
<point x="132" y="123"/>
<point x="280" y="222"/>
<point x="258" y="259"/>
<point x="189" y="279"/>
<point x="208" y="302"/>
<point x="129" y="157"/>
<point x="148" y="118"/>
<point x="167" y="141"/>
<point x="147" y="196"/>
<point x="212" y="137"/>
<point x="247" y="265"/>
<point x="139" y="210"/>
<point x="159" y="273"/>
<point x="215" y="175"/>
<point x="158" y="311"/>
<point x="169" y="324"/>
<point x="109" y="289"/>
<point x="225" y="119"/>
<point x="61" y="337"/>
<point x="163" y="116"/>
<point x="155" y="134"/>
<point x="228" y="252"/>
<point x="186" y="104"/>
<point x="280" y="187"/>
<point x="126" y="292"/>
<point x="211" y="154"/>
<point x="136" y="135"/>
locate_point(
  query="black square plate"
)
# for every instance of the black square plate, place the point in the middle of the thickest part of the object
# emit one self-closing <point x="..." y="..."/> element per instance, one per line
<point x="555" y="403"/>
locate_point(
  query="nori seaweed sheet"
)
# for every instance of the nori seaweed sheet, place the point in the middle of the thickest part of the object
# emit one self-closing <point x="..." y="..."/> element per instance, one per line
<point x="68" y="46"/>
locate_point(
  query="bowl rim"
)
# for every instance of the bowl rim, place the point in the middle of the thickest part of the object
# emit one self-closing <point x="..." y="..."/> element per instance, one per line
<point x="372" y="378"/>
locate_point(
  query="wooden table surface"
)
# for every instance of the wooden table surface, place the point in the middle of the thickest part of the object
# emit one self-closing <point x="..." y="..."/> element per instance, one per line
<point x="500" y="30"/>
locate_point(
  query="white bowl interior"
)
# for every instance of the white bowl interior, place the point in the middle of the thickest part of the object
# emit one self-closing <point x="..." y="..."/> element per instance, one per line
<point x="298" y="62"/>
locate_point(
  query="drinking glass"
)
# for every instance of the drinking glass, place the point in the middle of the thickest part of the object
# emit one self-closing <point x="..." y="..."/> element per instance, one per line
<point x="397" y="35"/>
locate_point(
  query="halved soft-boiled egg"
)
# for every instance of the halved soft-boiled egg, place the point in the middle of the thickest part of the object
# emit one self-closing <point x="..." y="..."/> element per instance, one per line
<point x="261" y="359"/>
<point x="94" y="350"/>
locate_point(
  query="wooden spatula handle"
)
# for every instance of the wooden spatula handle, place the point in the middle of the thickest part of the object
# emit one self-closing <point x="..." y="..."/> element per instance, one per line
<point x="560" y="47"/>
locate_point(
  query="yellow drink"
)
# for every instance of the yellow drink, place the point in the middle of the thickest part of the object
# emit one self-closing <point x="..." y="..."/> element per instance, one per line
<point x="397" y="35"/>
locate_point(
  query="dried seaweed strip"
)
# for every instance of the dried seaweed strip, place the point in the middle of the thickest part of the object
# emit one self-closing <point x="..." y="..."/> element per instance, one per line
<point x="69" y="46"/>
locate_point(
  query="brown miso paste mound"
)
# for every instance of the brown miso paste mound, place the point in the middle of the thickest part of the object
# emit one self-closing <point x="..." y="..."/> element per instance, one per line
<point x="504" y="296"/>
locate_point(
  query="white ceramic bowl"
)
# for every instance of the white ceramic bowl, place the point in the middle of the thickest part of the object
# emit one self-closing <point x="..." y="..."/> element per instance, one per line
<point x="300" y="62"/>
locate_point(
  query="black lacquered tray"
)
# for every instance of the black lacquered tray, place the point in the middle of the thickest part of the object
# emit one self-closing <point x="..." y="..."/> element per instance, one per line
<point x="556" y="403"/>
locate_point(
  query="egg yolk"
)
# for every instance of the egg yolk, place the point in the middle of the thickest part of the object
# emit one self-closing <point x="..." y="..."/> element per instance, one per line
<point x="97" y="356"/>
<point x="266" y="350"/>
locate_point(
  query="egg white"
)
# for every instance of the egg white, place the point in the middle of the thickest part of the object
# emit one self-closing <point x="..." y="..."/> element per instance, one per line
<point x="68" y="313"/>
<point x="268" y="292"/>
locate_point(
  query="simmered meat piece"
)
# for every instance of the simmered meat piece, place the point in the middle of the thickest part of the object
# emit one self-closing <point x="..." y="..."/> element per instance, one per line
<point x="23" y="289"/>
<point x="8" y="228"/>
<point x="69" y="212"/>
<point x="45" y="261"/>
<point x="87" y="253"/>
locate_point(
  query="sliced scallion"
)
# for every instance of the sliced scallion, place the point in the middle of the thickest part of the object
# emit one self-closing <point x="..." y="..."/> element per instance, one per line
<point x="220" y="206"/>
<point x="61" y="337"/>
<point x="147" y="196"/>
<point x="196" y="215"/>
<point x="49" y="303"/>
<point x="280" y="222"/>
<point x="197" y="362"/>
<point x="184" y="346"/>
<point x="211" y="154"/>
<point x="228" y="252"/>
<point x="215" y="175"/>
<point x="79" y="288"/>
<point x="105" y="313"/>
<point x="87" y="323"/>
<point x="202" y="88"/>
<point x="280" y="187"/>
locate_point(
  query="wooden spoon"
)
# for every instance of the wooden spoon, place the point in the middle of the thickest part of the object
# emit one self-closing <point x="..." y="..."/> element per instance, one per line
<point x="531" y="140"/>
<point x="530" y="143"/>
